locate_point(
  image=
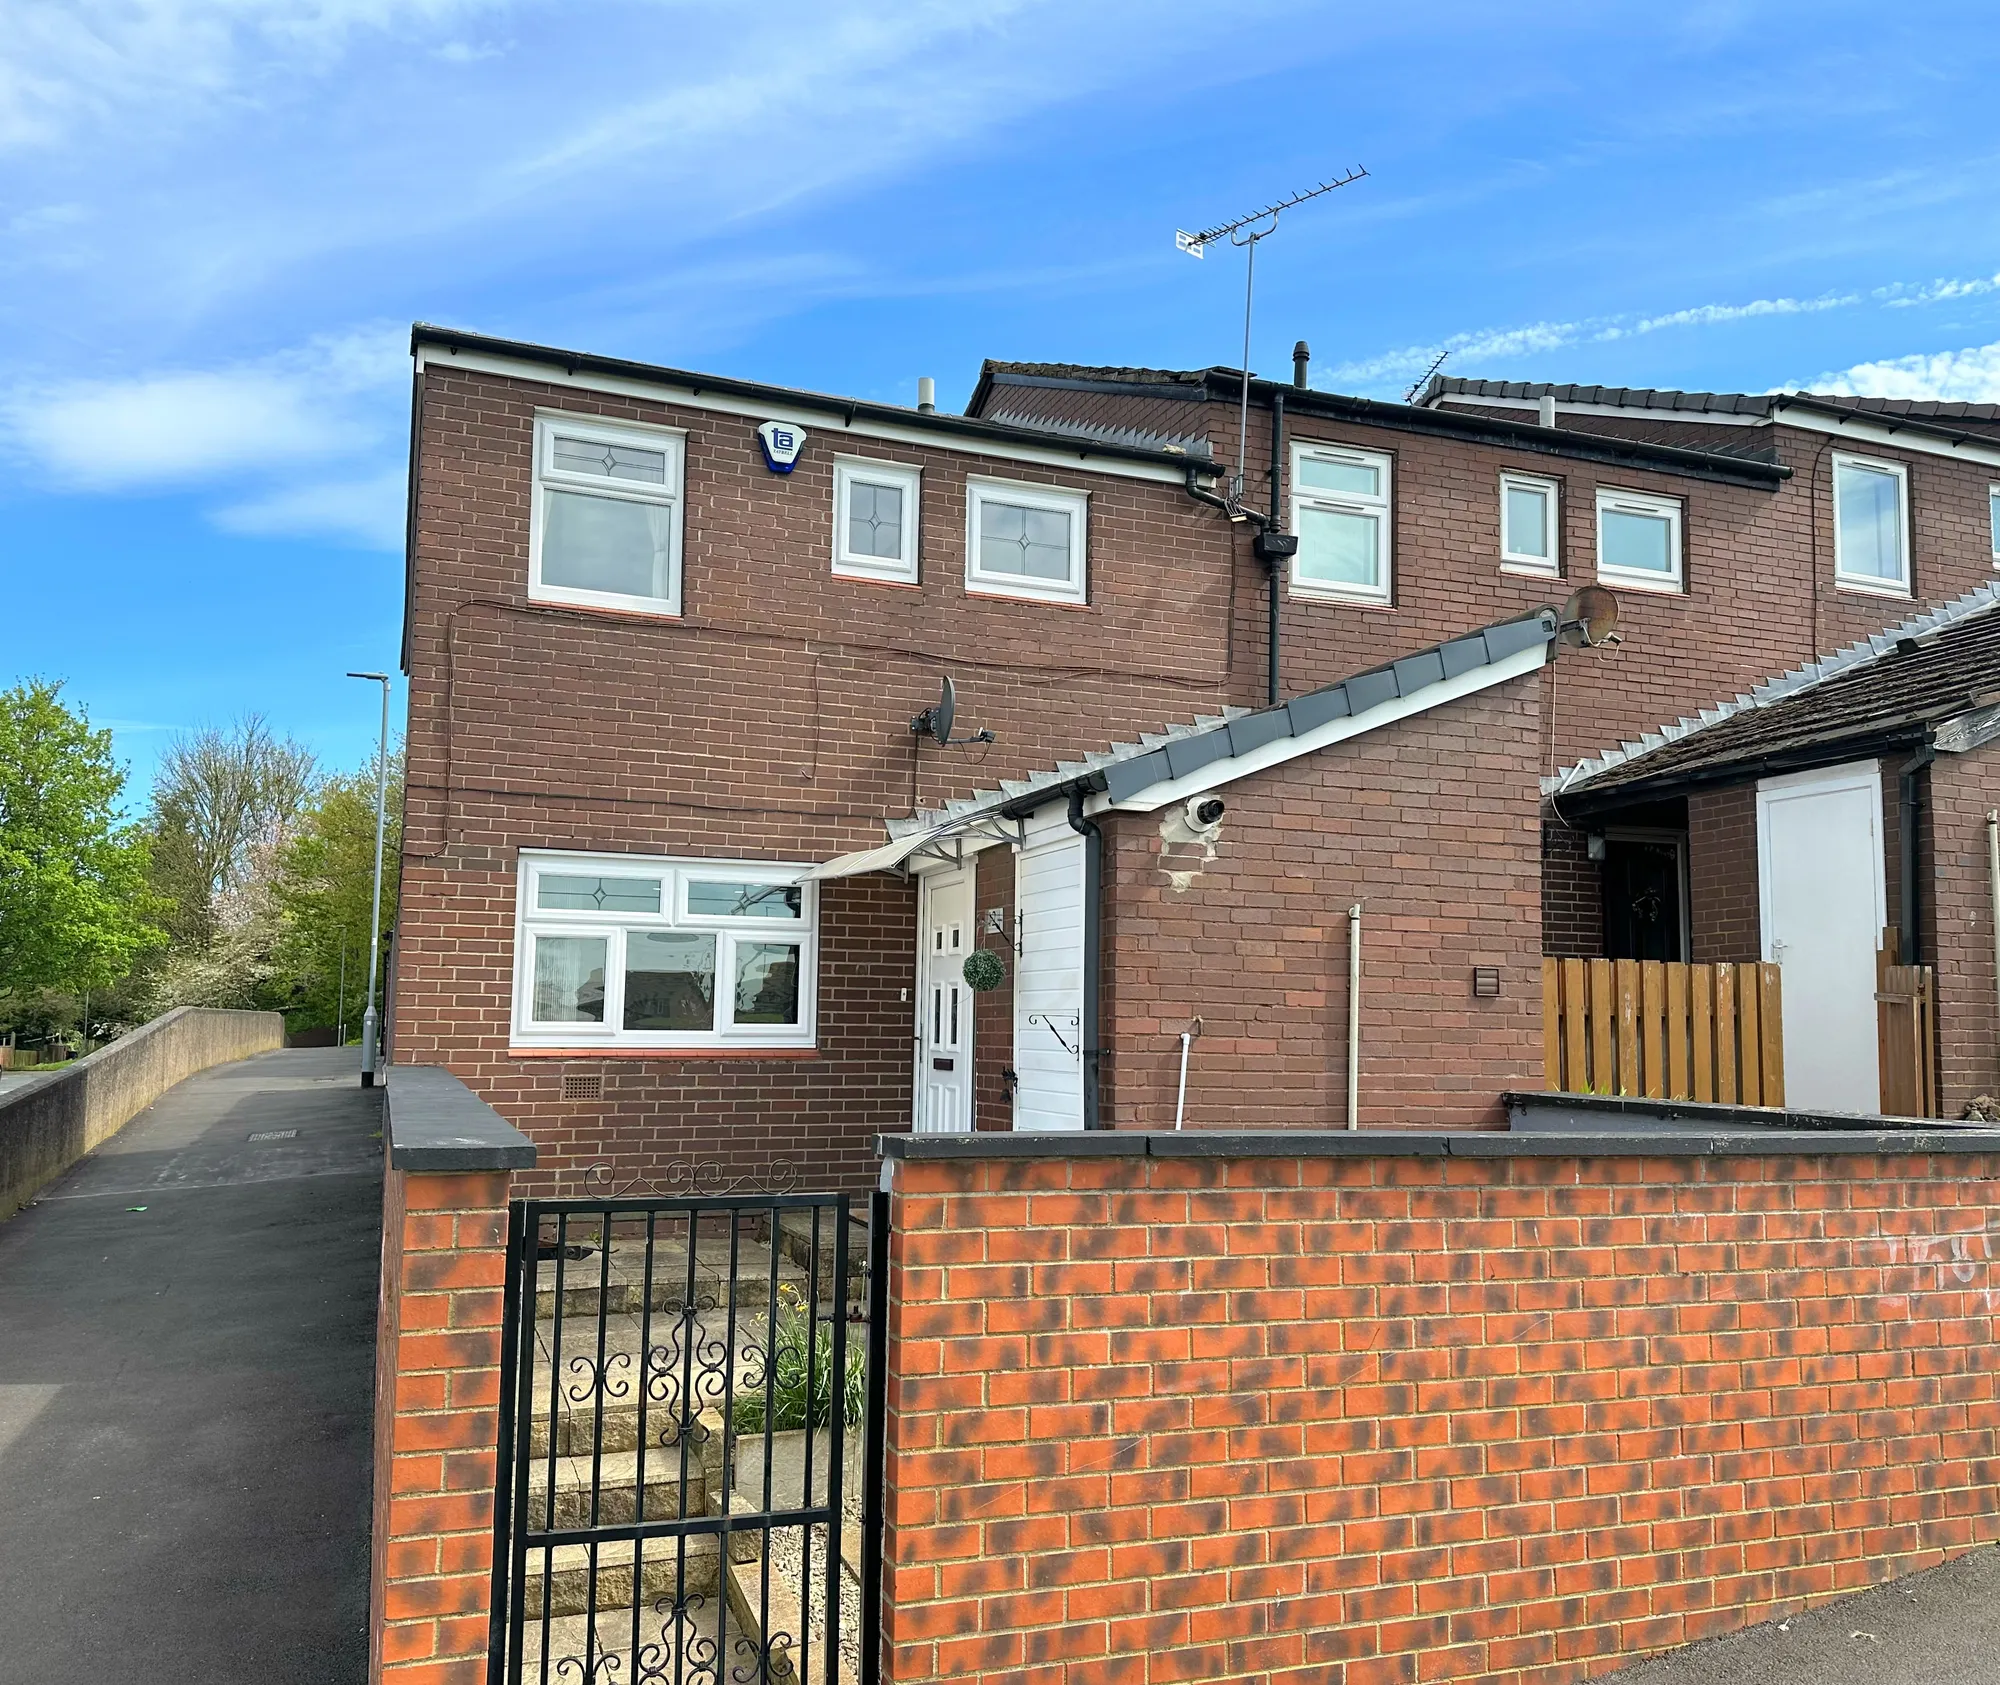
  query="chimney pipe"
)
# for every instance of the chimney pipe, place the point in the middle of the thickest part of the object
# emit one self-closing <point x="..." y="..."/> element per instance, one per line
<point x="1301" y="364"/>
<point x="926" y="394"/>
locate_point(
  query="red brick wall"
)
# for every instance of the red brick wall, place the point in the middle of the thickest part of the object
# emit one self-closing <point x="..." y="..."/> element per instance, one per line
<point x="437" y="1395"/>
<point x="1725" y="917"/>
<point x="1431" y="824"/>
<point x="1963" y="789"/>
<point x="1382" y="1419"/>
<point x="1572" y="895"/>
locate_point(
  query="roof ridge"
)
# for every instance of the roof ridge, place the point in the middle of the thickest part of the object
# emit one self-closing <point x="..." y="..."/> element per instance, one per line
<point x="1784" y="686"/>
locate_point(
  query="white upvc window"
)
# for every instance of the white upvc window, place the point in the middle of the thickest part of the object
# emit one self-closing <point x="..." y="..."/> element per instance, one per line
<point x="619" y="950"/>
<point x="1871" y="526"/>
<point x="1639" y="540"/>
<point x="1993" y="519"/>
<point x="606" y="526"/>
<point x="1529" y="511"/>
<point x="875" y="509"/>
<point x="1340" y="511"/>
<point x="1025" y="541"/>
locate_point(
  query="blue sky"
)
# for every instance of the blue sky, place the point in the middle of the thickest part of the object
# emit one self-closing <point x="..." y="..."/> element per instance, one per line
<point x="220" y="217"/>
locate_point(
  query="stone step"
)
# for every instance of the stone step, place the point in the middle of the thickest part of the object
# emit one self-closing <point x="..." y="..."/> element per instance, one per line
<point x="662" y="1568"/>
<point x="795" y="1241"/>
<point x="617" y="1490"/>
<point x="622" y="1289"/>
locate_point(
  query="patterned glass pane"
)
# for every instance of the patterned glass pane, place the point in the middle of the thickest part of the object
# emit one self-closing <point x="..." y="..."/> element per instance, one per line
<point x="607" y="544"/>
<point x="669" y="980"/>
<point x="597" y="895"/>
<point x="1340" y="547"/>
<point x="875" y="520"/>
<point x="569" y="980"/>
<point x="767" y="983"/>
<point x="1638" y="542"/>
<point x="611" y="462"/>
<point x="745" y="900"/>
<point x="1027" y="543"/>
<point x="1360" y="478"/>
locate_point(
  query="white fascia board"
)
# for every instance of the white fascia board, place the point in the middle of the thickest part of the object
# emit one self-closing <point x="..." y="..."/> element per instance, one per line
<point x="1871" y="432"/>
<point x="1446" y="401"/>
<point x="1218" y="773"/>
<point x="1077" y="459"/>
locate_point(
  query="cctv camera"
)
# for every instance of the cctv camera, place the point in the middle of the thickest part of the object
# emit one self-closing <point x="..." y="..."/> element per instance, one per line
<point x="1204" y="811"/>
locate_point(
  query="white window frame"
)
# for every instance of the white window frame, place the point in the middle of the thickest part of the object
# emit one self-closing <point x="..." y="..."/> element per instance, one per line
<point x="1644" y="503"/>
<point x="670" y="440"/>
<point x="674" y="874"/>
<point x="1993" y="519"/>
<point x="909" y="480"/>
<point x="1381" y="506"/>
<point x="1075" y="504"/>
<point x="1513" y="561"/>
<point x="1874" y="587"/>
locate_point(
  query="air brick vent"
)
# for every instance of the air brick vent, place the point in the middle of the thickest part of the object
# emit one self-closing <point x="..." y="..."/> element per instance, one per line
<point x="583" y="1088"/>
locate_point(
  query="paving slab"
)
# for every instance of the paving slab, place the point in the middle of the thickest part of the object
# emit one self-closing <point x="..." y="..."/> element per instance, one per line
<point x="187" y="1334"/>
<point x="1939" y="1627"/>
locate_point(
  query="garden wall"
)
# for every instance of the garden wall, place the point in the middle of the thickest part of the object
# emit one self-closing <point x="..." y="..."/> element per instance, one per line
<point x="46" y="1126"/>
<point x="1339" y="1410"/>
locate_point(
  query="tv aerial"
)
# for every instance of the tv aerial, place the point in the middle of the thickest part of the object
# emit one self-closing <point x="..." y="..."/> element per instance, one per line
<point x="1246" y="231"/>
<point x="936" y="721"/>
<point x="1589" y="619"/>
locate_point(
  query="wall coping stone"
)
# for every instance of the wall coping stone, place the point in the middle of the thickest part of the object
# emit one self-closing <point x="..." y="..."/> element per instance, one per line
<point x="433" y="1122"/>
<point x="1628" y="1142"/>
<point x="1614" y="1114"/>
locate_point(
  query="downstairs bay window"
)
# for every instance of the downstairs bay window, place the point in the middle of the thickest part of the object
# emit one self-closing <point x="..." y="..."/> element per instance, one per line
<point x="618" y="951"/>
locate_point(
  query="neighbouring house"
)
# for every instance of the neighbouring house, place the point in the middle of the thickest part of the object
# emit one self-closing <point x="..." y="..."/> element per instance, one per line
<point x="1797" y="824"/>
<point x="694" y="861"/>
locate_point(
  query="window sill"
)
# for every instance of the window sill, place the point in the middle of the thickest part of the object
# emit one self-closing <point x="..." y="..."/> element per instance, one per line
<point x="993" y="594"/>
<point x="1343" y="599"/>
<point x="1639" y="582"/>
<point x="663" y="1053"/>
<point x="649" y="617"/>
<point x="856" y="576"/>
<point x="1874" y="588"/>
<point x="1530" y="570"/>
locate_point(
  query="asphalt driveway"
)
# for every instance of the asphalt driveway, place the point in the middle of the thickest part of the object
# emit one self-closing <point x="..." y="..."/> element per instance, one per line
<point x="187" y="1334"/>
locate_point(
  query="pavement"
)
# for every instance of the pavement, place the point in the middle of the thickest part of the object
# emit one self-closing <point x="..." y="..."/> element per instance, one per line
<point x="1939" y="1627"/>
<point x="187" y="1348"/>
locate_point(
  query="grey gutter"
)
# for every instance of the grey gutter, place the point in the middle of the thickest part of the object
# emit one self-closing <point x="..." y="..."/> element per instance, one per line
<point x="848" y="409"/>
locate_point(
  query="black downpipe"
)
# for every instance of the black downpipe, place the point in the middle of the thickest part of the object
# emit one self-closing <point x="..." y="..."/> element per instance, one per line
<point x="1913" y="769"/>
<point x="1093" y="957"/>
<point x="1273" y="562"/>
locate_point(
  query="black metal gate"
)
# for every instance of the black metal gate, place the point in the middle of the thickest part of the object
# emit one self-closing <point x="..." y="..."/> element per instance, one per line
<point x="683" y="1390"/>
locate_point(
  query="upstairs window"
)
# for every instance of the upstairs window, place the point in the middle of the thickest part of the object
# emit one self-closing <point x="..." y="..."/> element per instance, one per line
<point x="1639" y="540"/>
<point x="1528" y="529"/>
<point x="617" y="951"/>
<point x="606" y="527"/>
<point x="1025" y="541"/>
<point x="1871" y="521"/>
<point x="1340" y="511"/>
<point x="875" y="520"/>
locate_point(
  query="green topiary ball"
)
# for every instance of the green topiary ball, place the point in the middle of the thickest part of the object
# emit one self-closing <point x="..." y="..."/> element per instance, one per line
<point x="984" y="970"/>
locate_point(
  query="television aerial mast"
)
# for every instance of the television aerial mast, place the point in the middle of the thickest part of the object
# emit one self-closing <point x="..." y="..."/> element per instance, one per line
<point x="1246" y="231"/>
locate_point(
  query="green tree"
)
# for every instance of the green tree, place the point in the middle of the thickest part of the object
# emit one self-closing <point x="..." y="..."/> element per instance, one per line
<point x="74" y="904"/>
<point x="324" y="880"/>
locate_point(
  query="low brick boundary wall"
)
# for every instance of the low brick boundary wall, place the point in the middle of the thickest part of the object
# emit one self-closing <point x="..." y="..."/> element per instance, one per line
<point x="46" y="1126"/>
<point x="446" y="1187"/>
<point x="1347" y="1410"/>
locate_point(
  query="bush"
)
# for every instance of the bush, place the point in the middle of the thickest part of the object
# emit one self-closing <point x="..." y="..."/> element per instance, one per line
<point x="786" y="1357"/>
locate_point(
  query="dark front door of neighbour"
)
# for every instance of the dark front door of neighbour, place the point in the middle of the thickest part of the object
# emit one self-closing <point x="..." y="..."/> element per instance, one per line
<point x="1642" y="898"/>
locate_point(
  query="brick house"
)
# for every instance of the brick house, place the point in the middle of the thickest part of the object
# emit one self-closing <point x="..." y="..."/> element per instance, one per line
<point x="682" y="882"/>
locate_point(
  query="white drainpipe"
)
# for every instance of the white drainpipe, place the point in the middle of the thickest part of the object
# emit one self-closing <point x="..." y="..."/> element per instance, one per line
<point x="1187" y="1041"/>
<point x="1354" y="1016"/>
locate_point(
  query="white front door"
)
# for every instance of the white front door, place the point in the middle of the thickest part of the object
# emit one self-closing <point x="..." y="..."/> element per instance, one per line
<point x="1819" y="847"/>
<point x="944" y="1004"/>
<point x="1048" y="987"/>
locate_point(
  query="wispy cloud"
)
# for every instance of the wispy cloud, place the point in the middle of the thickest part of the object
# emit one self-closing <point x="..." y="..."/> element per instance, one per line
<point x="1500" y="344"/>
<point x="367" y="511"/>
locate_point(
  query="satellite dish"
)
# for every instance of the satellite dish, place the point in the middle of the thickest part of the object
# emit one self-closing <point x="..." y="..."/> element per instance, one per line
<point x="935" y="722"/>
<point x="1589" y="618"/>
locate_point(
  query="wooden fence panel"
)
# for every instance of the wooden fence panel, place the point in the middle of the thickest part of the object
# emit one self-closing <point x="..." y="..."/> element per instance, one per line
<point x="1905" y="1032"/>
<point x="1665" y="1031"/>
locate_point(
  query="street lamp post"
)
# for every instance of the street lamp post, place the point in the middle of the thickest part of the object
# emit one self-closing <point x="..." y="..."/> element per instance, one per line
<point x="368" y="1020"/>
